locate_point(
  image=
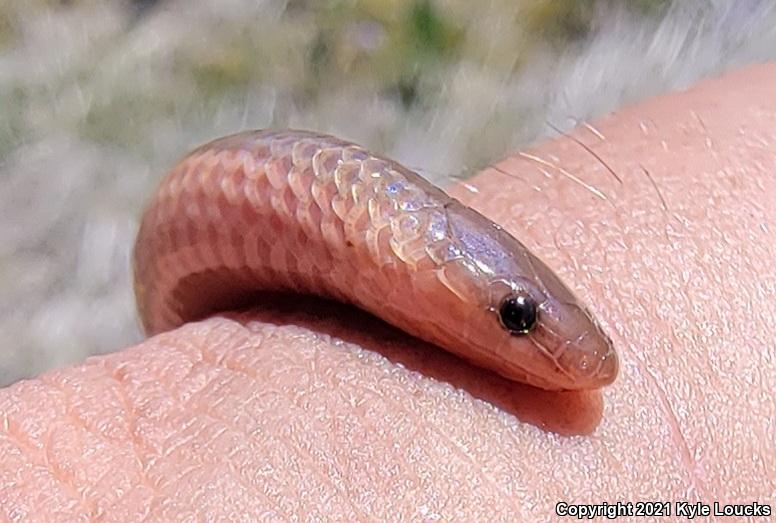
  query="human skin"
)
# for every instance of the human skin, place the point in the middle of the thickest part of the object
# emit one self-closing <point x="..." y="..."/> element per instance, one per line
<point x="313" y="409"/>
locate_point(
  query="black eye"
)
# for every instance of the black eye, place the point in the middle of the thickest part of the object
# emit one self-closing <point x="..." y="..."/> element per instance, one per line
<point x="518" y="313"/>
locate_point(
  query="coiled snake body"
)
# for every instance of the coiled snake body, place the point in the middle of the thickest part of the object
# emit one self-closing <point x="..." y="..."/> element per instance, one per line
<point x="303" y="212"/>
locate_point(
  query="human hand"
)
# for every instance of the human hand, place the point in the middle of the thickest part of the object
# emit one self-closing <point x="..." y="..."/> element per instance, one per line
<point x="263" y="415"/>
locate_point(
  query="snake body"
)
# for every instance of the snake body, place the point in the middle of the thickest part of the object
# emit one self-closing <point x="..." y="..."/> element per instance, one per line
<point x="296" y="211"/>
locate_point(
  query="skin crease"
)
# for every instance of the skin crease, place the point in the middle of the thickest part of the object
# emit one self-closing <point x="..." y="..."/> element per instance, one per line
<point x="235" y="416"/>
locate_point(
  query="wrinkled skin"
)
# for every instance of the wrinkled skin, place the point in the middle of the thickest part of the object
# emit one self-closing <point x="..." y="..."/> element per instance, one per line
<point x="235" y="416"/>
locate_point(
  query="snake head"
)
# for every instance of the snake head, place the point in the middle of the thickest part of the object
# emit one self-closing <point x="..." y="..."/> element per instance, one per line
<point x="513" y="310"/>
<point x="569" y="348"/>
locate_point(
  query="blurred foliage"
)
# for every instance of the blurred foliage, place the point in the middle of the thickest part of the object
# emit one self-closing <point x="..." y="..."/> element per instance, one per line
<point x="12" y="122"/>
<point x="382" y="45"/>
<point x="403" y="51"/>
<point x="400" y="46"/>
<point x="9" y="25"/>
<point x="560" y="22"/>
<point x="218" y="72"/>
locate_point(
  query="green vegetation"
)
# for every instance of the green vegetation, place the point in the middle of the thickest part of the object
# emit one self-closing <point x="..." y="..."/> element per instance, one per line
<point x="403" y="51"/>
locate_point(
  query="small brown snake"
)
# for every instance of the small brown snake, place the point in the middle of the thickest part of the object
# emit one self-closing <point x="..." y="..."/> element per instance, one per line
<point x="310" y="213"/>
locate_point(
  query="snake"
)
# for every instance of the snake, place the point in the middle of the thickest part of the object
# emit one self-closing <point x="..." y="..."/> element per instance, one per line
<point x="291" y="211"/>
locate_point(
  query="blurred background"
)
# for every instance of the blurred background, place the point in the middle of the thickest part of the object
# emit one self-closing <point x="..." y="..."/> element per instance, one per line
<point x="99" y="97"/>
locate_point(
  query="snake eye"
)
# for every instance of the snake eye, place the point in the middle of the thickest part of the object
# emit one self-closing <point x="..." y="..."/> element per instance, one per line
<point x="518" y="313"/>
